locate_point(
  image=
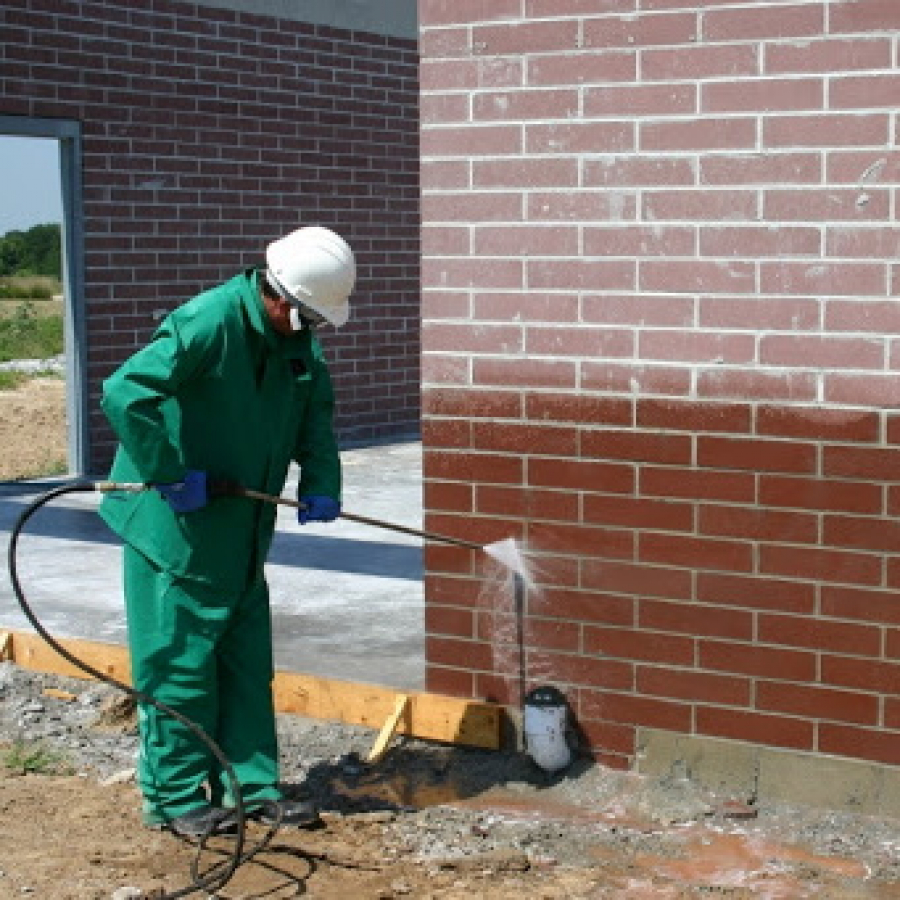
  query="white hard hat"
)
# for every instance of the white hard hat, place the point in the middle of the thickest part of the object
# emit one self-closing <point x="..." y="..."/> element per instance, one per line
<point x="314" y="267"/>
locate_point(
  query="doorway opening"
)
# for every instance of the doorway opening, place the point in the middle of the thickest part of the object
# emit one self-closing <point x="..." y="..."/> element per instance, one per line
<point x="42" y="397"/>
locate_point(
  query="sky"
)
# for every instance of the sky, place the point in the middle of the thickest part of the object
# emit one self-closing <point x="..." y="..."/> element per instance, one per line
<point x="30" y="192"/>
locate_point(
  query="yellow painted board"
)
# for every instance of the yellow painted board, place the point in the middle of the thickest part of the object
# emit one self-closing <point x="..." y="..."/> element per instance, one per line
<point x="452" y="720"/>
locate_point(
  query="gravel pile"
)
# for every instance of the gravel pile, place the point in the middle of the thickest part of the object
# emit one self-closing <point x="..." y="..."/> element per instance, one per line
<point x="54" y="365"/>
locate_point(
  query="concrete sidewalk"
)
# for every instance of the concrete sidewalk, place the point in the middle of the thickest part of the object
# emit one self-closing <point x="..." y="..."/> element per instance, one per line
<point x="347" y="598"/>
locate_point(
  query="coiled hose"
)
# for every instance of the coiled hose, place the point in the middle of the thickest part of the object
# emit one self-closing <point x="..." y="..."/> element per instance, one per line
<point x="221" y="873"/>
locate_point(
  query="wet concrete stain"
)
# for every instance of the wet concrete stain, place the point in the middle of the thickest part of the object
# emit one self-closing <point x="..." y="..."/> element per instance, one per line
<point x="714" y="856"/>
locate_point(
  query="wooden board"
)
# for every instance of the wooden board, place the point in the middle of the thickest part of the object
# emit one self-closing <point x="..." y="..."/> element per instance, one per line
<point x="431" y="716"/>
<point x="68" y="696"/>
<point x="30" y="651"/>
<point x="437" y="717"/>
<point x="388" y="730"/>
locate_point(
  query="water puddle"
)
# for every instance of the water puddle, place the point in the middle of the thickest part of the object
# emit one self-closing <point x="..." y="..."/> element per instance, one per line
<point x="641" y="858"/>
<point x="413" y="790"/>
<point x="397" y="791"/>
<point x="766" y="868"/>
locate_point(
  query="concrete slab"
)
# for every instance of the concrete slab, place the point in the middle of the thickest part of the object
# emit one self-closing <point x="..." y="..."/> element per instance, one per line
<point x="771" y="774"/>
<point x="347" y="598"/>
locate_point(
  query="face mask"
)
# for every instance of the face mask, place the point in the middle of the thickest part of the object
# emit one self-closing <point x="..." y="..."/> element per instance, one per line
<point x="296" y="319"/>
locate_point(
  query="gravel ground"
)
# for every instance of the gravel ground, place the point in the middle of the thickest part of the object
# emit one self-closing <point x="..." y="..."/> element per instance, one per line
<point x="442" y="821"/>
<point x="54" y="365"/>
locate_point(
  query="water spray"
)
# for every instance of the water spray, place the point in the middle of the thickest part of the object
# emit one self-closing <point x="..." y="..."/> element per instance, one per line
<point x="544" y="710"/>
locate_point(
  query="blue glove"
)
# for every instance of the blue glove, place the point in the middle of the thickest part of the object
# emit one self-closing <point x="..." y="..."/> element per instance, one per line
<point x="318" y="509"/>
<point x="188" y="495"/>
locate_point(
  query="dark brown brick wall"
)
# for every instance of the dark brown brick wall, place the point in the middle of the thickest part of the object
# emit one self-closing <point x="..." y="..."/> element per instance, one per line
<point x="208" y="132"/>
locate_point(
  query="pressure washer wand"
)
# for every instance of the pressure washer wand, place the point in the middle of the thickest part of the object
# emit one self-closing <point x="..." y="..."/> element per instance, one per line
<point x="227" y="488"/>
<point x="238" y="490"/>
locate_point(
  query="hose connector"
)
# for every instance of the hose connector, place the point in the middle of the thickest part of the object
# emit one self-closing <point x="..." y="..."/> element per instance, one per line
<point x="105" y="487"/>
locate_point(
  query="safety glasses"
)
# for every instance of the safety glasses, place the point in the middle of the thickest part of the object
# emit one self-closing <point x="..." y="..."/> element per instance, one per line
<point x="306" y="313"/>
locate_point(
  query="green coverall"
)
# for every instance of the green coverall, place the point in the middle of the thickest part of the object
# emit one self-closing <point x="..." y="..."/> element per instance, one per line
<point x="218" y="390"/>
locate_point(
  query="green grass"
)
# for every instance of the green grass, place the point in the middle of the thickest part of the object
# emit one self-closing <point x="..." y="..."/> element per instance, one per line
<point x="53" y="466"/>
<point x="22" y="757"/>
<point x="32" y="287"/>
<point x="26" y="335"/>
<point x="9" y="381"/>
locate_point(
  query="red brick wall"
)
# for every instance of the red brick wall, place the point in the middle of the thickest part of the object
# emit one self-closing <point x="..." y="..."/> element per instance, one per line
<point x="660" y="340"/>
<point x="208" y="132"/>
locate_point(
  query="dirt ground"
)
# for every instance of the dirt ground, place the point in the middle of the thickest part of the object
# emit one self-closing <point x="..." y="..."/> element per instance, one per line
<point x="428" y="821"/>
<point x="33" y="429"/>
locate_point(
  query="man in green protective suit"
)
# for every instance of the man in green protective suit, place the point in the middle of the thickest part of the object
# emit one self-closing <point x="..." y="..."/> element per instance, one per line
<point x="232" y="386"/>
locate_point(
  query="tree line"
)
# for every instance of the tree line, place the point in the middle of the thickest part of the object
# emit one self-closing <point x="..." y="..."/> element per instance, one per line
<point x="37" y="251"/>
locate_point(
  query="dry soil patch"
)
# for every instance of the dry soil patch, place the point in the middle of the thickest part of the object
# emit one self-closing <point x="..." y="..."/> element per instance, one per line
<point x="33" y="429"/>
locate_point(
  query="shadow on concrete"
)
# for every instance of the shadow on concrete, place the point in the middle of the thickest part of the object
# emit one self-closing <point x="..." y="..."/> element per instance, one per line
<point x="58" y="522"/>
<point x="377" y="559"/>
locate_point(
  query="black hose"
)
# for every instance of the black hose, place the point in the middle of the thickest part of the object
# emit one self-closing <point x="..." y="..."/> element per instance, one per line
<point x="213" y="880"/>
